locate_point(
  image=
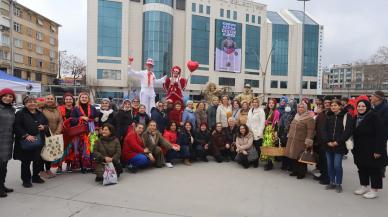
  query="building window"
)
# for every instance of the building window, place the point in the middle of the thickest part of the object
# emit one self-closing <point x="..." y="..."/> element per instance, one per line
<point x="313" y="85"/>
<point x="200" y="37"/>
<point x="18" y="43"/>
<point x="17" y="12"/>
<point x="38" y="76"/>
<point x="208" y="10"/>
<point x="18" y="58"/>
<point x="198" y="79"/>
<point x="39" y="50"/>
<point x="29" y="45"/>
<point x="274" y="84"/>
<point x="5" y="40"/>
<point x="201" y="8"/>
<point x="252" y="46"/>
<point x="258" y="19"/>
<point x="234" y="15"/>
<point x="253" y="18"/>
<point x="166" y="2"/>
<point x="4" y="55"/>
<point x="247" y="18"/>
<point x="221" y="12"/>
<point x="52" y="41"/>
<point x="181" y="5"/>
<point x="304" y="84"/>
<point x="253" y="83"/>
<point x="226" y="81"/>
<point x="30" y="61"/>
<point x="108" y="74"/>
<point x="280" y="43"/>
<point x="39" y="22"/>
<point x="39" y="35"/>
<point x="17" y="27"/>
<point x="29" y="31"/>
<point x="228" y="14"/>
<point x="52" y="67"/>
<point x="52" y="29"/>
<point x="39" y="63"/>
<point x="193" y="7"/>
<point x="283" y="84"/>
<point x="311" y="42"/>
<point x="52" y="54"/>
<point x="109" y="28"/>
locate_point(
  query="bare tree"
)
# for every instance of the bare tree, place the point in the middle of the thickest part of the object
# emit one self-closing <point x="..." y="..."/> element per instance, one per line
<point x="74" y="66"/>
<point x="381" y="56"/>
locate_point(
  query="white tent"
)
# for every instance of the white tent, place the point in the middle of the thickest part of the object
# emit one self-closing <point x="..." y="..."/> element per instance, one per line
<point x="18" y="84"/>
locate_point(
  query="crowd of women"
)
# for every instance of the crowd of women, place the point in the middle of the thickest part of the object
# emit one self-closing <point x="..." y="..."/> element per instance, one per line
<point x="227" y="130"/>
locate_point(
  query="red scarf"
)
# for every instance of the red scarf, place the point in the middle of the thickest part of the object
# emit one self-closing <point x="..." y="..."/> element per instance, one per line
<point x="83" y="112"/>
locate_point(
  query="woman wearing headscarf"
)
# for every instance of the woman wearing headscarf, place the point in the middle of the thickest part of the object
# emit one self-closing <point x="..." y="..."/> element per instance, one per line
<point x="84" y="113"/>
<point x="30" y="125"/>
<point x="284" y="126"/>
<point x="123" y="120"/>
<point x="243" y="113"/>
<point x="189" y="115"/>
<point x="7" y="117"/>
<point x="106" y="113"/>
<point x="55" y="124"/>
<point x="300" y="138"/>
<point x="369" y="153"/>
<point x="272" y="116"/>
<point x="201" y="114"/>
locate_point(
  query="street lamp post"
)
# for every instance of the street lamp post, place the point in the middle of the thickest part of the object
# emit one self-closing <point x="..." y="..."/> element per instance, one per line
<point x="302" y="64"/>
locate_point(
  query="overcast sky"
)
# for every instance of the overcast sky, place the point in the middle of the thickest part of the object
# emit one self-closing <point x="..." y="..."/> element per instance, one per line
<point x="354" y="29"/>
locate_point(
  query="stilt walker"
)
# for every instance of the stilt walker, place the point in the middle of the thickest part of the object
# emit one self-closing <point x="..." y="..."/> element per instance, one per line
<point x="147" y="82"/>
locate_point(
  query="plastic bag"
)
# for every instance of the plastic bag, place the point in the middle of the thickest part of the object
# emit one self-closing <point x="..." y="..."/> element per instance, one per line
<point x="110" y="175"/>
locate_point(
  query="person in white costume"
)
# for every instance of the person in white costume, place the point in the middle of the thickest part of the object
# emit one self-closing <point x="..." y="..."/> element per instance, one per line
<point x="147" y="82"/>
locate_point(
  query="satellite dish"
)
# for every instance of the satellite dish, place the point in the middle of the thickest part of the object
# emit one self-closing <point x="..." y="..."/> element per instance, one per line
<point x="29" y="87"/>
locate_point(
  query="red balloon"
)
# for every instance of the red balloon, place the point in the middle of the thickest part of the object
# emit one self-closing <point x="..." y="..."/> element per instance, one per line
<point x="192" y="65"/>
<point x="130" y="59"/>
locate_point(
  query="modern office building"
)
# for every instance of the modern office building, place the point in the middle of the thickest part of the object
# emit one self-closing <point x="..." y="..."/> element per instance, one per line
<point x="235" y="42"/>
<point x="29" y="42"/>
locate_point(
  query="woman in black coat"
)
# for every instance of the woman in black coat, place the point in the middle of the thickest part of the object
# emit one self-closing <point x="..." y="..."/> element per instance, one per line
<point x="30" y="125"/>
<point x="369" y="152"/>
<point x="338" y="128"/>
<point x="201" y="144"/>
<point x="142" y="117"/>
<point x="123" y="120"/>
<point x="186" y="141"/>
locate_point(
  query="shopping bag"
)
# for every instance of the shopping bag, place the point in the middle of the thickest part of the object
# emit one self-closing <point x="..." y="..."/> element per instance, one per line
<point x="53" y="148"/>
<point x="110" y="175"/>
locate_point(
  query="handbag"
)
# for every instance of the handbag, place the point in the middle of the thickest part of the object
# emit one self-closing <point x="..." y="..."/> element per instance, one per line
<point x="308" y="157"/>
<point x="28" y="146"/>
<point x="253" y="154"/>
<point x="110" y="175"/>
<point x="73" y="131"/>
<point x="53" y="148"/>
<point x="349" y="143"/>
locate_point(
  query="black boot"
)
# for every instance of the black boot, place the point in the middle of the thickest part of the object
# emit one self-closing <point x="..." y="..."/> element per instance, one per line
<point x="255" y="163"/>
<point x="268" y="166"/>
<point x="5" y="189"/>
<point x="219" y="159"/>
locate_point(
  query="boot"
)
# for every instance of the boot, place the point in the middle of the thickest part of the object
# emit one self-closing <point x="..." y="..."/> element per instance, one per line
<point x="3" y="193"/>
<point x="5" y="189"/>
<point x="255" y="163"/>
<point x="268" y="166"/>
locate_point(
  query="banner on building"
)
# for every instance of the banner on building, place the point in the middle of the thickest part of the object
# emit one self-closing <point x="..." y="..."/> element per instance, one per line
<point x="228" y="46"/>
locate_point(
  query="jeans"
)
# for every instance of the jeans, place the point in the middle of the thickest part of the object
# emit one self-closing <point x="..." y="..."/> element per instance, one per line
<point x="185" y="152"/>
<point x="334" y="167"/>
<point x="140" y="161"/>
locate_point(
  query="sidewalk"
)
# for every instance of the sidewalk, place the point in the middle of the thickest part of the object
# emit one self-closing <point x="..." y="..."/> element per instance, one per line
<point x="203" y="190"/>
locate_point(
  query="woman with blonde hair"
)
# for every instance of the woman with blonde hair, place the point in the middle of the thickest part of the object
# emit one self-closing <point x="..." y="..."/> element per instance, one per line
<point x="256" y="123"/>
<point x="224" y="111"/>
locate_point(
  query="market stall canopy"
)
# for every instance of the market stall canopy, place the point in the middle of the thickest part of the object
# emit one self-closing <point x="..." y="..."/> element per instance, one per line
<point x="18" y="84"/>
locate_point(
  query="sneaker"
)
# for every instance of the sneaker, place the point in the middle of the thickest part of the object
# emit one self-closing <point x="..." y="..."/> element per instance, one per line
<point x="169" y="165"/>
<point x="27" y="184"/>
<point x="338" y="188"/>
<point x="330" y="187"/>
<point x="38" y="180"/>
<point x="362" y="190"/>
<point x="370" y="195"/>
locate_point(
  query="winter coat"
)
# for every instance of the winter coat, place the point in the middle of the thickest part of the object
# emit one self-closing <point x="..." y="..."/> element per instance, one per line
<point x="368" y="138"/>
<point x="246" y="144"/>
<point x="160" y="118"/>
<point x="170" y="136"/>
<point x="26" y="124"/>
<point x="189" y="115"/>
<point x="201" y="117"/>
<point x="106" y="147"/>
<point x="175" y="116"/>
<point x="242" y="117"/>
<point x="382" y="111"/>
<point x="223" y="113"/>
<point x="122" y="121"/>
<point x="230" y="134"/>
<point x="142" y="118"/>
<point x="334" y="131"/>
<point x="155" y="145"/>
<point x="55" y="121"/>
<point x="7" y="117"/>
<point x="185" y="139"/>
<point x="77" y="113"/>
<point x="217" y="143"/>
<point x="110" y="119"/>
<point x="133" y="145"/>
<point x="284" y="126"/>
<point x="320" y="123"/>
<point x="256" y="122"/>
<point x="211" y="116"/>
<point x="300" y="135"/>
<point x="202" y="137"/>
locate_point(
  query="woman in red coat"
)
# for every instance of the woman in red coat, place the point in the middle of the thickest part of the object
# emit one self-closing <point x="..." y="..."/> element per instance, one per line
<point x="134" y="154"/>
<point x="176" y="114"/>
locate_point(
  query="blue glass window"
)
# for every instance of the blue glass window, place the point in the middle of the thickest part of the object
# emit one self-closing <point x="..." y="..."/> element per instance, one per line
<point x="226" y="81"/>
<point x="193" y="7"/>
<point x="234" y="15"/>
<point x="208" y="10"/>
<point x="274" y="84"/>
<point x="221" y="12"/>
<point x="166" y="2"/>
<point x="103" y="94"/>
<point x="311" y="42"/>
<point x="228" y="14"/>
<point x="253" y="18"/>
<point x="157" y="40"/>
<point x="252" y="47"/>
<point x="201" y="8"/>
<point x="109" y="28"/>
<point x="198" y="79"/>
<point x="200" y="33"/>
<point x="246" y="17"/>
<point x="280" y="43"/>
<point x="253" y="83"/>
<point x="283" y="84"/>
<point x="258" y="19"/>
<point x="109" y="61"/>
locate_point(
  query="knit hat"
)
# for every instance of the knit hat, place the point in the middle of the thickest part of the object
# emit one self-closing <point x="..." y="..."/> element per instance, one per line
<point x="379" y="94"/>
<point x="105" y="100"/>
<point x="28" y="98"/>
<point x="6" y="91"/>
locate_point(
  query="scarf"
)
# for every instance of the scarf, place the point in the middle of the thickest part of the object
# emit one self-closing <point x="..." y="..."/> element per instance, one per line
<point x="105" y="114"/>
<point x="85" y="109"/>
<point x="301" y="117"/>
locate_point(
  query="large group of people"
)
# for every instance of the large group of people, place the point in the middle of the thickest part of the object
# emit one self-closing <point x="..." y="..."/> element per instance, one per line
<point x="134" y="136"/>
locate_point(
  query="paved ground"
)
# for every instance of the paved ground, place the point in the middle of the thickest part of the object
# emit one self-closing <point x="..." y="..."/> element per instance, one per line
<point x="203" y="190"/>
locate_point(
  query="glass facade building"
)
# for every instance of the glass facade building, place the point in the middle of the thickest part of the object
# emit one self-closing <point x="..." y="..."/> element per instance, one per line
<point x="109" y="28"/>
<point x="166" y="2"/>
<point x="280" y="43"/>
<point x="157" y="40"/>
<point x="252" y="46"/>
<point x="200" y="33"/>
